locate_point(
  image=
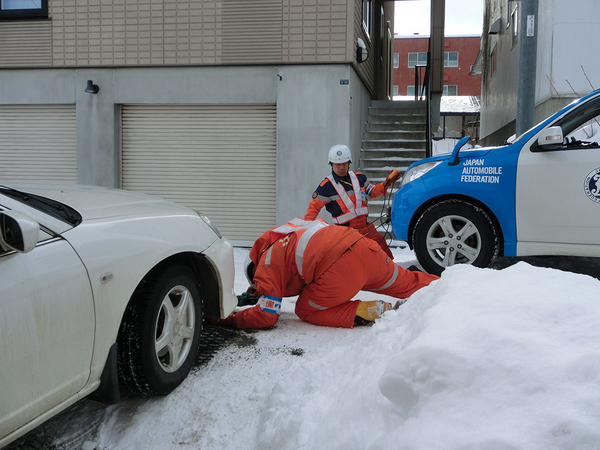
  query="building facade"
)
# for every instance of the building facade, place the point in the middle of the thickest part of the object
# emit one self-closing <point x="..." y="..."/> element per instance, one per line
<point x="566" y="66"/>
<point x="460" y="53"/>
<point x="227" y="106"/>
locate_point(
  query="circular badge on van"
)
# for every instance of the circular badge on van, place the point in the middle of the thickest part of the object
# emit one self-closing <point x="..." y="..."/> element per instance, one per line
<point x="591" y="185"/>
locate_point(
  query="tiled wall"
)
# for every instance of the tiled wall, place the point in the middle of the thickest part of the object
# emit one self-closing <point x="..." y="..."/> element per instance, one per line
<point x="101" y="33"/>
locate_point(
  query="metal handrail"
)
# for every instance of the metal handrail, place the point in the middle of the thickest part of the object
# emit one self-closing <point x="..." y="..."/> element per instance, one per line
<point x="424" y="90"/>
<point x="428" y="149"/>
<point x="420" y="87"/>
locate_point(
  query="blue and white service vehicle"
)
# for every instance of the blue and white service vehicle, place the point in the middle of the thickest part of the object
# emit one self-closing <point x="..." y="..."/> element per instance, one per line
<point x="538" y="195"/>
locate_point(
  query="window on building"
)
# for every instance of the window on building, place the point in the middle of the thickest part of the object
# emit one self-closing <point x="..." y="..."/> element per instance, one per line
<point x="14" y="9"/>
<point x="367" y="16"/>
<point x="451" y="89"/>
<point x="396" y="60"/>
<point x="450" y="59"/>
<point x="493" y="60"/>
<point x="395" y="90"/>
<point x="417" y="59"/>
<point x="410" y="91"/>
<point x="514" y="25"/>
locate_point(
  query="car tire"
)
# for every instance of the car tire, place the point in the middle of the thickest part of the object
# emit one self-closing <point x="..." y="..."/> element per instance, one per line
<point x="454" y="232"/>
<point x="160" y="331"/>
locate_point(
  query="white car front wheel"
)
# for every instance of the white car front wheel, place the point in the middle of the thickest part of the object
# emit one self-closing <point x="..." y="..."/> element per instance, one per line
<point x="160" y="332"/>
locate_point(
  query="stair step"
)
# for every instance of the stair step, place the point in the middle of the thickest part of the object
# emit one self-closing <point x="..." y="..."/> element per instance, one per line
<point x="396" y="135"/>
<point x="394" y="159"/>
<point x="394" y="144"/>
<point x="393" y="153"/>
<point x="387" y="126"/>
<point x="404" y="119"/>
<point x="398" y="105"/>
<point x="376" y="169"/>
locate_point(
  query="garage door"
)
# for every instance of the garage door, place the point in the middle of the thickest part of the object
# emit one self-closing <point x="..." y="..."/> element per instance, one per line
<point x="38" y="143"/>
<point x="217" y="159"/>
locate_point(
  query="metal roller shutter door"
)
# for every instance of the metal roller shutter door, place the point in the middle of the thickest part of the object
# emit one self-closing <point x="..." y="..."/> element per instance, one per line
<point x="217" y="159"/>
<point x="38" y="143"/>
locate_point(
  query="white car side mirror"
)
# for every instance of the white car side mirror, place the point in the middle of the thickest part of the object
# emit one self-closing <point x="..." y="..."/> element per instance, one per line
<point x="550" y="138"/>
<point x="18" y="231"/>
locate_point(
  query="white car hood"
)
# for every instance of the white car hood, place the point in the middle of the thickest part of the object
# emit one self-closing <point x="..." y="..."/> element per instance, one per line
<point x="94" y="202"/>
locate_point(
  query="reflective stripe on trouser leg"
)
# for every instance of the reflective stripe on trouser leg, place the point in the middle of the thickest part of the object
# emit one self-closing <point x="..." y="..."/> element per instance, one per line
<point x="365" y="266"/>
<point x="385" y="277"/>
<point x="391" y="281"/>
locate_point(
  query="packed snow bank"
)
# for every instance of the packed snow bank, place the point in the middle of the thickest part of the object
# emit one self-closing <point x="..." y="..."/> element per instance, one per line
<point x="480" y="359"/>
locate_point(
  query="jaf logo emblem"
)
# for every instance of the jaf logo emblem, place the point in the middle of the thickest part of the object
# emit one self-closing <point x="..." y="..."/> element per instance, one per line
<point x="591" y="185"/>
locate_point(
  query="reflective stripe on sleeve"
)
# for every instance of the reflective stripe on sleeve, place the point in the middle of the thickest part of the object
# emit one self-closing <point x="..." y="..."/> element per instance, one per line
<point x="268" y="256"/>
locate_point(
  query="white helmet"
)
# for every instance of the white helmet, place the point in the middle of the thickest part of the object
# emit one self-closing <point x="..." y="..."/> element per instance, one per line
<point x="339" y="154"/>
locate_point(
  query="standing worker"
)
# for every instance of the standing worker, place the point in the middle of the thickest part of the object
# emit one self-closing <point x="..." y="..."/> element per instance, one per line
<point x="326" y="266"/>
<point x="344" y="194"/>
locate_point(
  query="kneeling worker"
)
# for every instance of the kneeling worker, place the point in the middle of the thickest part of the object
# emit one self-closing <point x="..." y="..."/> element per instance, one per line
<point x="326" y="266"/>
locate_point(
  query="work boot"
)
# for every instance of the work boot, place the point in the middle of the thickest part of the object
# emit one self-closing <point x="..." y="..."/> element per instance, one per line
<point x="368" y="312"/>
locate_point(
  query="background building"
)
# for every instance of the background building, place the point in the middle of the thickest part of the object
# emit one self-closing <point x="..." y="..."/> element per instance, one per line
<point x="566" y="66"/>
<point x="460" y="53"/>
<point x="460" y="103"/>
<point x="228" y="106"/>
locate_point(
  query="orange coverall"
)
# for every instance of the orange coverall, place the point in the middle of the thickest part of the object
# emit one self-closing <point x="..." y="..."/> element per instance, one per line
<point x="326" y="266"/>
<point x="328" y="195"/>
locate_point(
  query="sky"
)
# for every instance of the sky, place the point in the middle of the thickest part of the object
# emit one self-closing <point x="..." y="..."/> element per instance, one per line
<point x="462" y="17"/>
<point x="480" y="359"/>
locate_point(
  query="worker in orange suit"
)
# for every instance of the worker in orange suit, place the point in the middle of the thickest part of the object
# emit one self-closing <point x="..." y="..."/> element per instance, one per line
<point x="326" y="266"/>
<point x="344" y="194"/>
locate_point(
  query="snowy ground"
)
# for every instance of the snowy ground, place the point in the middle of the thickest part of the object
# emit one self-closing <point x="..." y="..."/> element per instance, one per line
<point x="481" y="359"/>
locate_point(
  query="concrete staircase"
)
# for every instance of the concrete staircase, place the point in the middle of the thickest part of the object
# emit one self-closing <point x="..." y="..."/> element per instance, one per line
<point x="394" y="138"/>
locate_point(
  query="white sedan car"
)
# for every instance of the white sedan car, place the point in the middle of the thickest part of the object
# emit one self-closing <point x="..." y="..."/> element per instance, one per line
<point x="100" y="288"/>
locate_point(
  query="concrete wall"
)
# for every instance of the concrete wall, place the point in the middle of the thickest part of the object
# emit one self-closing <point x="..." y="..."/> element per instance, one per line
<point x="498" y="89"/>
<point x="328" y="112"/>
<point x="317" y="106"/>
<point x="575" y="67"/>
<point x="108" y="33"/>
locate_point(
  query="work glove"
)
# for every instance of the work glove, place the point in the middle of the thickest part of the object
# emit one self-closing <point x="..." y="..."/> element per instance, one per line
<point x="248" y="298"/>
<point x="228" y="322"/>
<point x="392" y="178"/>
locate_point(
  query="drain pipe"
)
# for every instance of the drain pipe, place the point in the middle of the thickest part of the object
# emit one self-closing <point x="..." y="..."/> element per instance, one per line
<point x="527" y="66"/>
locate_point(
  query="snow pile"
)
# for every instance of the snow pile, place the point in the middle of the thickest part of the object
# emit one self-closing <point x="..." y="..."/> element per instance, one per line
<point x="450" y="103"/>
<point x="459" y="103"/>
<point x="480" y="359"/>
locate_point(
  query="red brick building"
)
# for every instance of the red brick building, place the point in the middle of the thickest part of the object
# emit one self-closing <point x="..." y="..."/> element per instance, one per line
<point x="460" y="54"/>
